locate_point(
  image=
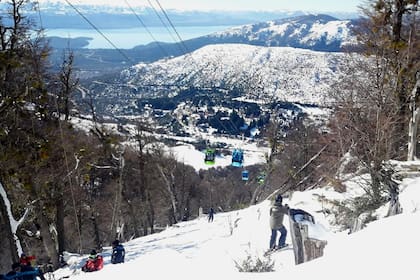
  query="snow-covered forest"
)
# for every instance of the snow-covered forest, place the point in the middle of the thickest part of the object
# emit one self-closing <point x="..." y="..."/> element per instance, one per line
<point x="71" y="180"/>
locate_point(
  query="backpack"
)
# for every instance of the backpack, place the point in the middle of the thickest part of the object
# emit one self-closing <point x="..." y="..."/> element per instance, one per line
<point x="299" y="215"/>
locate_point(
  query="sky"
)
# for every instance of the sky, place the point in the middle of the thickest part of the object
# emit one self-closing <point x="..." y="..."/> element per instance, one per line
<point x="198" y="249"/>
<point x="269" y="5"/>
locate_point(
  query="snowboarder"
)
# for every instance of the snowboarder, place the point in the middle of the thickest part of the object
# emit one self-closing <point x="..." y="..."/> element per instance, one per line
<point x="95" y="262"/>
<point x="118" y="252"/>
<point x="277" y="212"/>
<point x="211" y="214"/>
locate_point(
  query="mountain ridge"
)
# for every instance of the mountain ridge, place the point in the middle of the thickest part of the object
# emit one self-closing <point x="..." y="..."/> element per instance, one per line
<point x="227" y="71"/>
<point x="325" y="33"/>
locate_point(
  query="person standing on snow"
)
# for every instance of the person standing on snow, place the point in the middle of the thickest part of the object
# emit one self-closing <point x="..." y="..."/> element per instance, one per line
<point x="211" y="214"/>
<point x="277" y="212"/>
<point x="118" y="252"/>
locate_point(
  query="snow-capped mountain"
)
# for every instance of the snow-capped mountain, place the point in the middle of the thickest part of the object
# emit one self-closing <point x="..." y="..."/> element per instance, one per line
<point x="288" y="74"/>
<point x="315" y="32"/>
<point x="222" y="74"/>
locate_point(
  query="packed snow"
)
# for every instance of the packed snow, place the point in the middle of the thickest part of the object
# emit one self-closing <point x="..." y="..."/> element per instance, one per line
<point x="198" y="249"/>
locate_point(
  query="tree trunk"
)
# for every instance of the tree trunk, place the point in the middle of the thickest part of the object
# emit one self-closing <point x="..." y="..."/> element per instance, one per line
<point x="98" y="243"/>
<point x="304" y="247"/>
<point x="376" y="185"/>
<point x="414" y="121"/>
<point x="12" y="225"/>
<point x="150" y="213"/>
<point x="59" y="220"/>
<point x="48" y="242"/>
<point x="170" y="187"/>
<point x="118" y="197"/>
<point x="8" y="231"/>
<point x="133" y="218"/>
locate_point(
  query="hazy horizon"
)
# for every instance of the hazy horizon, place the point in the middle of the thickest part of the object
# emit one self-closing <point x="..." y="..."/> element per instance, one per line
<point x="350" y="6"/>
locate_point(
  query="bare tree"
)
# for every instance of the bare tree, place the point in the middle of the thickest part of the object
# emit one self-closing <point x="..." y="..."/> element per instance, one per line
<point x="390" y="34"/>
<point x="68" y="84"/>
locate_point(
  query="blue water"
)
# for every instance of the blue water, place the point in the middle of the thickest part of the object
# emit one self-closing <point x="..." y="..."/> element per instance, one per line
<point x="131" y="37"/>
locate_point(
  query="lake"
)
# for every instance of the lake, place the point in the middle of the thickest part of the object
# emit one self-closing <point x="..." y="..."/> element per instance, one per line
<point x="131" y="37"/>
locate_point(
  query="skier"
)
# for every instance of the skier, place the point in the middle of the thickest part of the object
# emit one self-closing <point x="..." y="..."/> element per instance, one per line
<point x="277" y="212"/>
<point x="95" y="262"/>
<point x="211" y="214"/>
<point x="118" y="252"/>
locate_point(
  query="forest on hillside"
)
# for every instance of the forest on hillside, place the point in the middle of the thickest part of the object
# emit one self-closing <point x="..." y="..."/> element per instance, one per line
<point x="63" y="189"/>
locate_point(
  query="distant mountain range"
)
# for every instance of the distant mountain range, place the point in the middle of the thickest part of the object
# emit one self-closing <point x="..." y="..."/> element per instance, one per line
<point x="62" y="15"/>
<point x="313" y="32"/>
<point x="255" y="69"/>
<point x="217" y="88"/>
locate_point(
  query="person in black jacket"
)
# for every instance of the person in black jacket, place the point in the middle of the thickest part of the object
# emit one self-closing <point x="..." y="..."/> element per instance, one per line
<point x="211" y="215"/>
<point x="23" y="272"/>
<point x="14" y="273"/>
<point x="118" y="252"/>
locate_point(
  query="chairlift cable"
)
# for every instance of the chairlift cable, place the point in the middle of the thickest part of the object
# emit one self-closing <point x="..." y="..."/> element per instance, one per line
<point x="147" y="29"/>
<point x="39" y="14"/>
<point x="165" y="25"/>
<point x="186" y="51"/>
<point x="100" y="32"/>
<point x="173" y="27"/>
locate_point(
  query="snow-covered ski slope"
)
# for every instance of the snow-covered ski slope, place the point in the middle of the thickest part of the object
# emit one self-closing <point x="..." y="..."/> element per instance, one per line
<point x="197" y="249"/>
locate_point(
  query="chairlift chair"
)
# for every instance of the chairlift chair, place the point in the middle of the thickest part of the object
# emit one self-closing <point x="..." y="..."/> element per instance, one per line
<point x="209" y="157"/>
<point x="237" y="158"/>
<point x="245" y="175"/>
<point x="261" y="178"/>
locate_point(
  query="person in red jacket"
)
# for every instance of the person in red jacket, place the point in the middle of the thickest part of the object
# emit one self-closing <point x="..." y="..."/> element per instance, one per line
<point x="26" y="260"/>
<point x="95" y="262"/>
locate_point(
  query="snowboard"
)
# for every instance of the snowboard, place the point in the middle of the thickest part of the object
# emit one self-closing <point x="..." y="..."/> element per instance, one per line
<point x="271" y="251"/>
